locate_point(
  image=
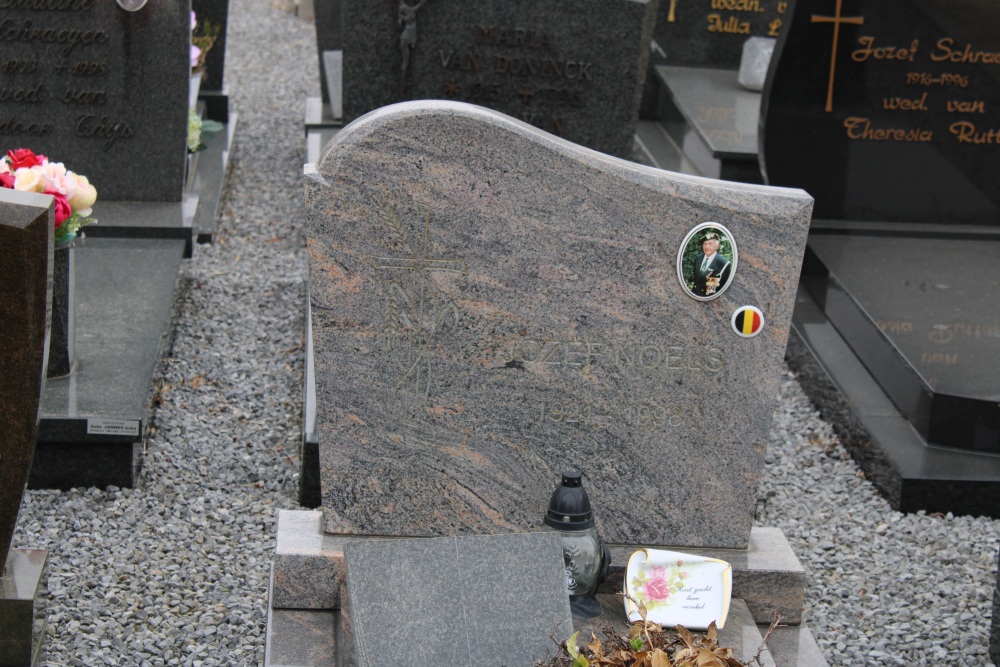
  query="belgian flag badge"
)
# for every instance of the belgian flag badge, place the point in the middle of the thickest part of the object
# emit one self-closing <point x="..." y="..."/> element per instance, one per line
<point x="748" y="321"/>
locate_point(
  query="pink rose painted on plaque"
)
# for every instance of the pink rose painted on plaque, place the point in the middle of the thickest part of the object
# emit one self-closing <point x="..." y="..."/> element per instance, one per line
<point x="656" y="588"/>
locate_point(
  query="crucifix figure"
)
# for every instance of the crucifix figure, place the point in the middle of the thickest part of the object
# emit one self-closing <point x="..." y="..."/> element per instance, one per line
<point x="836" y="20"/>
<point x="407" y="20"/>
<point x="411" y="312"/>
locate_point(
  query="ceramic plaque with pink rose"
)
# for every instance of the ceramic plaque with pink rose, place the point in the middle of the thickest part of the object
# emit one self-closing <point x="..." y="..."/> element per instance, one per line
<point x="678" y="588"/>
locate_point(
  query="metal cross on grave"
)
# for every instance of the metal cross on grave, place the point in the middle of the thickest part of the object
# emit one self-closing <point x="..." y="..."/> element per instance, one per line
<point x="836" y="20"/>
<point x="421" y="319"/>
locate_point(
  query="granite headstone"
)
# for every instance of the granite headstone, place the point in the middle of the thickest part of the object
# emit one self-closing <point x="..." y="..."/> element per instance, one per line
<point x="26" y="226"/>
<point x="25" y="273"/>
<point x="492" y="304"/>
<point x="477" y="600"/>
<point x="101" y="89"/>
<point x="329" y="38"/>
<point x="711" y="33"/>
<point x="888" y="110"/>
<point x="215" y="12"/>
<point x="571" y="67"/>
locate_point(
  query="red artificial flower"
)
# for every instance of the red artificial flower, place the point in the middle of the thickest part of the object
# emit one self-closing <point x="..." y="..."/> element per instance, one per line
<point x="62" y="208"/>
<point x="23" y="157"/>
<point x="7" y="179"/>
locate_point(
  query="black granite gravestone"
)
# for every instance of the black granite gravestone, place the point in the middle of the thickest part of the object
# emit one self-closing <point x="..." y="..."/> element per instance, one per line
<point x="25" y="297"/>
<point x="215" y="13"/>
<point x="889" y="114"/>
<point x="710" y="33"/>
<point x="102" y="90"/>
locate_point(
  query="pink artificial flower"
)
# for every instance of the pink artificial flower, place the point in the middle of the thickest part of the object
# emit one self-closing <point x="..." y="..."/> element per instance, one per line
<point x="7" y="179"/>
<point x="656" y="589"/>
<point x="62" y="209"/>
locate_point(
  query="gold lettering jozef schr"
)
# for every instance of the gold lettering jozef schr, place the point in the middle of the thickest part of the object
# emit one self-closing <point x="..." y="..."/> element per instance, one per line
<point x="415" y="311"/>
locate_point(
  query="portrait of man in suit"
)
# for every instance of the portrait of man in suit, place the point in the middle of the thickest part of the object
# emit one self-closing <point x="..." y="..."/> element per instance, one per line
<point x="706" y="262"/>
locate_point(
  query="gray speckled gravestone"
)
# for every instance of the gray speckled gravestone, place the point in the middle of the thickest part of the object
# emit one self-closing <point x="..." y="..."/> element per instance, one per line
<point x="492" y="305"/>
<point x="100" y="89"/>
<point x="572" y="67"/>
<point x="483" y="600"/>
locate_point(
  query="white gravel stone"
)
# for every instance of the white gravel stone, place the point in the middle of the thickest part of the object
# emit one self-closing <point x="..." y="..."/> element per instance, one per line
<point x="174" y="572"/>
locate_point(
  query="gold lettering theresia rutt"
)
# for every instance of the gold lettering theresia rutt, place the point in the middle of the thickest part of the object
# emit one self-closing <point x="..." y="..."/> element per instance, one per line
<point x="836" y="20"/>
<point x="625" y="357"/>
<point x="944" y="52"/>
<point x="415" y="311"/>
<point x="862" y="129"/>
<point x="967" y="133"/>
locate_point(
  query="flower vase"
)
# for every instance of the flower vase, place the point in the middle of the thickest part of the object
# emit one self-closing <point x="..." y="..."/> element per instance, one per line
<point x="62" y="336"/>
<point x="195" y="86"/>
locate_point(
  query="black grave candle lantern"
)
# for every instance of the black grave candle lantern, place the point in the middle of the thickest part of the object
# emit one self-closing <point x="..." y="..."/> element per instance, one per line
<point x="585" y="556"/>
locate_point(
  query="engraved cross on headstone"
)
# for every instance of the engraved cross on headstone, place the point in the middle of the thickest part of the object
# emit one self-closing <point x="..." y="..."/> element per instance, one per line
<point x="420" y="320"/>
<point x="836" y="20"/>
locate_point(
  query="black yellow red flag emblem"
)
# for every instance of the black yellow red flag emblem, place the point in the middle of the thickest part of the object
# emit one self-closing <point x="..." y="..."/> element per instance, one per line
<point x="748" y="321"/>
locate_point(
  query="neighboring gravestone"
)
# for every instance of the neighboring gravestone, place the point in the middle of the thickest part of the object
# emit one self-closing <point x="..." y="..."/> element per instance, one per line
<point x="711" y="33"/>
<point x="501" y="305"/>
<point x="571" y="67"/>
<point x="215" y="12"/>
<point x="888" y="110"/>
<point x="25" y="275"/>
<point x="329" y="39"/>
<point x="101" y="89"/>
<point x="495" y="599"/>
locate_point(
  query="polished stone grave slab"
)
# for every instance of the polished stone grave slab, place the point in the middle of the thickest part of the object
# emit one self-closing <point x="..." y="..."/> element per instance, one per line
<point x="454" y="600"/>
<point x="23" y="619"/>
<point x="912" y="474"/>
<point x="93" y="422"/>
<point x="914" y="311"/>
<point x="710" y="121"/>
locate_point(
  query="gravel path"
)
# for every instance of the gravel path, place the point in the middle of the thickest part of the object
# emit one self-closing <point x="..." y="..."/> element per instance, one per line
<point x="174" y="572"/>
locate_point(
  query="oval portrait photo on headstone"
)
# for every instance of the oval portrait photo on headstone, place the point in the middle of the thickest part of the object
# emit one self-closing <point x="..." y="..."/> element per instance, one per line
<point x="706" y="261"/>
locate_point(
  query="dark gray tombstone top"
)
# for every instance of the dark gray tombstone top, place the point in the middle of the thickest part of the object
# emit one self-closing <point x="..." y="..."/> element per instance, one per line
<point x="329" y="36"/>
<point x="572" y="67"/>
<point x="26" y="226"/>
<point x="216" y="11"/>
<point x="492" y="305"/>
<point x="888" y="110"/>
<point x="710" y="33"/>
<point x="492" y="599"/>
<point x="102" y="90"/>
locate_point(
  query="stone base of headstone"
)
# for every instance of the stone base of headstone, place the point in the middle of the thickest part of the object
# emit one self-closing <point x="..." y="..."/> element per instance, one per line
<point x="319" y="115"/>
<point x="22" y="610"/>
<point x="92" y="423"/>
<point x="858" y="378"/>
<point x="306" y="620"/>
<point x="705" y="124"/>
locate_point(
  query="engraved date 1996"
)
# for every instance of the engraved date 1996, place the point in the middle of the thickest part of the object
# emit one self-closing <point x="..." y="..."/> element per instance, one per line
<point x="642" y="415"/>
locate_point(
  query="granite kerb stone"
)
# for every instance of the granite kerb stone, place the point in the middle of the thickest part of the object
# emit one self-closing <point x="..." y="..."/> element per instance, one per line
<point x="309" y="568"/>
